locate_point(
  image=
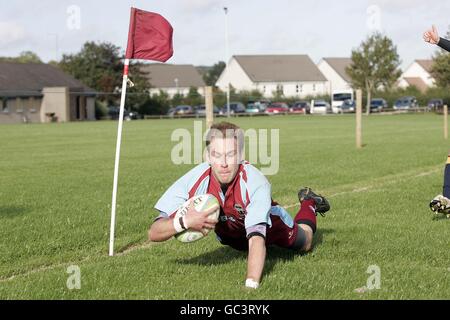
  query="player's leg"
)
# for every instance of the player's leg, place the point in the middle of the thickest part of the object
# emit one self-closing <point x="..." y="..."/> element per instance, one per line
<point x="446" y="188"/>
<point x="441" y="203"/>
<point x="304" y="239"/>
<point x="306" y="218"/>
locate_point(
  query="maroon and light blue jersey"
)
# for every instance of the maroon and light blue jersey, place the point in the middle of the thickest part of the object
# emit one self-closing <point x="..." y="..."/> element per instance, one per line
<point x="246" y="205"/>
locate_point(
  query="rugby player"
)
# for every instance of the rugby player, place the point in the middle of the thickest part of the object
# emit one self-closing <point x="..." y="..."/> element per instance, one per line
<point x="249" y="219"/>
<point x="441" y="203"/>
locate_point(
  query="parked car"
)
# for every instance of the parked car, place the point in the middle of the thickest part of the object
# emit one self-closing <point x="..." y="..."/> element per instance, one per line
<point x="406" y="103"/>
<point x="277" y="107"/>
<point x="348" y="106"/>
<point x="235" y="107"/>
<point x="171" y="112"/>
<point x="262" y="104"/>
<point x="320" y="107"/>
<point x="257" y="106"/>
<point x="201" y="110"/>
<point x="300" y="107"/>
<point x="378" y="105"/>
<point x="114" y="113"/>
<point x="183" y="110"/>
<point x="133" y="115"/>
<point x="252" y="107"/>
<point x="435" y="104"/>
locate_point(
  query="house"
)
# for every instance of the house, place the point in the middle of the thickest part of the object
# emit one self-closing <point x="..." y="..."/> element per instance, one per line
<point x="334" y="70"/>
<point x="418" y="74"/>
<point x="173" y="79"/>
<point x="40" y="93"/>
<point x="288" y="75"/>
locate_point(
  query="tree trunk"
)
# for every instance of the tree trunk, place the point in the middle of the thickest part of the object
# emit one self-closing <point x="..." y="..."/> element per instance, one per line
<point x="369" y="97"/>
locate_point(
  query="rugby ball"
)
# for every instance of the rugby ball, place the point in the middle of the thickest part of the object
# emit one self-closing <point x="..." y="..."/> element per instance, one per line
<point x="201" y="203"/>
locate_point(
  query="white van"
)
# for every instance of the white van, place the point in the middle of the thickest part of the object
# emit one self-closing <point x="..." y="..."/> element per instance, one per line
<point x="338" y="97"/>
<point x="319" y="107"/>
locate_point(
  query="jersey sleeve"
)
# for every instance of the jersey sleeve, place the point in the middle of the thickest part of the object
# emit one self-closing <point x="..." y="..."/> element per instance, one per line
<point x="258" y="209"/>
<point x="444" y="44"/>
<point x="178" y="193"/>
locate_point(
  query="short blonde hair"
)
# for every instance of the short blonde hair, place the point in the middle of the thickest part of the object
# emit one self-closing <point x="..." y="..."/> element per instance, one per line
<point x="226" y="130"/>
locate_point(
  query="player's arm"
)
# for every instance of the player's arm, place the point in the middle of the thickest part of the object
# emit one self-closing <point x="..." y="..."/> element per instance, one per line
<point x="444" y="44"/>
<point x="256" y="260"/>
<point x="432" y="36"/>
<point x="257" y="220"/>
<point x="256" y="254"/>
<point x="161" y="230"/>
<point x="166" y="227"/>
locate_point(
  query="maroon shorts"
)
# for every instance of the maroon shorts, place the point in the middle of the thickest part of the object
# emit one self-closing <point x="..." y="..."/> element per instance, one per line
<point x="280" y="235"/>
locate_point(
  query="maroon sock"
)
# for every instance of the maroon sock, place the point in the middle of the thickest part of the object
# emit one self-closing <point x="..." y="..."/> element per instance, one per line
<point x="307" y="214"/>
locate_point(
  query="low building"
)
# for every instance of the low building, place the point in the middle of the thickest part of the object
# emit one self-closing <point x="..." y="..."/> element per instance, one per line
<point x="40" y="93"/>
<point x="286" y="75"/>
<point x="418" y="74"/>
<point x="173" y="79"/>
<point x="334" y="70"/>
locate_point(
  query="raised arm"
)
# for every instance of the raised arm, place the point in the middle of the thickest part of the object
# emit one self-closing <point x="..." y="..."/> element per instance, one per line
<point x="432" y="36"/>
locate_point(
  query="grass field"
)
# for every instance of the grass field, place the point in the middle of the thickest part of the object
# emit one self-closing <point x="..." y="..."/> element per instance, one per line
<point x="55" y="195"/>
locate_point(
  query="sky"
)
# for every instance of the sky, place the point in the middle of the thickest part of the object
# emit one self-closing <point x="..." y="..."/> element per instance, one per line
<point x="318" y="28"/>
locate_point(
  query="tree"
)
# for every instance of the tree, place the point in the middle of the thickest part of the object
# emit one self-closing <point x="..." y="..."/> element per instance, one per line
<point x="440" y="69"/>
<point x="100" y="66"/>
<point x="194" y="98"/>
<point x="24" y="57"/>
<point x="212" y="75"/>
<point x="375" y="64"/>
<point x="157" y="104"/>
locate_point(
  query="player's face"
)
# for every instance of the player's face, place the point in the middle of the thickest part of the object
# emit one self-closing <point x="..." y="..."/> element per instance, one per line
<point x="224" y="158"/>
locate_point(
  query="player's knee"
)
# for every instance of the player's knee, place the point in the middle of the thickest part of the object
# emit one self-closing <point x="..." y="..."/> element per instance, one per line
<point x="150" y="235"/>
<point x="308" y="245"/>
<point x="304" y="239"/>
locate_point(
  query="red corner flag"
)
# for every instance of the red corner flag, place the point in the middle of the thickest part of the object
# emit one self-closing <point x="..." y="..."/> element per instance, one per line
<point x="150" y="37"/>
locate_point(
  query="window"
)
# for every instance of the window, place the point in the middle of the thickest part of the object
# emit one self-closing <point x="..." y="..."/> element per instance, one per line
<point x="5" y="105"/>
<point x="280" y="89"/>
<point x="299" y="88"/>
<point x="314" y="87"/>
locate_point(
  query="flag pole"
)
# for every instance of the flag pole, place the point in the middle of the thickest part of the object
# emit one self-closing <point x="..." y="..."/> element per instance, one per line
<point x="116" y="165"/>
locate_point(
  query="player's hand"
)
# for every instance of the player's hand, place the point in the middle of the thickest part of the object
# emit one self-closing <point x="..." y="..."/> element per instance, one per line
<point x="198" y="221"/>
<point x="431" y="35"/>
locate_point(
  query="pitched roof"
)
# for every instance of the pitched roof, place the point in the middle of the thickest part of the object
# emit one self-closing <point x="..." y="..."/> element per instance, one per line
<point x="31" y="78"/>
<point x="425" y="63"/>
<point x="279" y="68"/>
<point x="417" y="82"/>
<point x="339" y="65"/>
<point x="164" y="75"/>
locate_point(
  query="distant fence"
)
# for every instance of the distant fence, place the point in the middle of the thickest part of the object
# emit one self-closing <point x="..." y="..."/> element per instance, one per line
<point x="239" y="115"/>
<point x="200" y="116"/>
